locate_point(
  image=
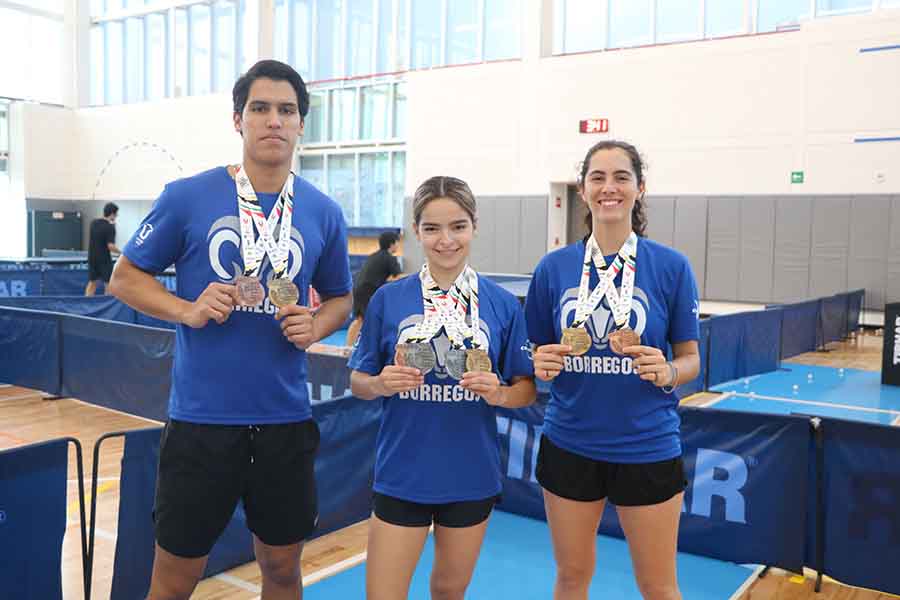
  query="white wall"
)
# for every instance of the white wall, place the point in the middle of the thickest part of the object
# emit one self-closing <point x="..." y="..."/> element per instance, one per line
<point x="723" y="117"/>
<point x="13" y="216"/>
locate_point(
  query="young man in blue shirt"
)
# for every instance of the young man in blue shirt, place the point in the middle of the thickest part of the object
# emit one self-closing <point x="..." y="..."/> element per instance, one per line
<point x="240" y="425"/>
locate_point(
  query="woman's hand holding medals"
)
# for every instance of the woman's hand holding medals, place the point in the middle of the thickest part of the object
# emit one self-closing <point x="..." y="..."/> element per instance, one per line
<point x="549" y="360"/>
<point x="395" y="379"/>
<point x="486" y="384"/>
<point x="651" y="365"/>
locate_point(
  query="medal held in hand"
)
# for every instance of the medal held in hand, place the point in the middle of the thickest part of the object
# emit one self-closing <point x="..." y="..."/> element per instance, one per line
<point x="249" y="290"/>
<point x="623" y="338"/>
<point x="478" y="360"/>
<point x="417" y="355"/>
<point x="283" y="292"/>
<point x="578" y="338"/>
<point x="455" y="362"/>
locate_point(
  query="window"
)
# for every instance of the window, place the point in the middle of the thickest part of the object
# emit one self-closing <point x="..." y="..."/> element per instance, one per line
<point x="375" y="190"/>
<point x="629" y="23"/>
<point x="502" y="36"/>
<point x="32" y="55"/>
<point x="4" y="138"/>
<point x="328" y="40"/>
<point x="115" y="65"/>
<point x="426" y="51"/>
<point x="97" y="65"/>
<point x="182" y="64"/>
<point x="463" y="27"/>
<point x="360" y="37"/>
<point x="155" y="56"/>
<point x="342" y="184"/>
<point x="399" y="184"/>
<point x="580" y="25"/>
<point x="200" y="48"/>
<point x="312" y="168"/>
<point x="343" y="115"/>
<point x="375" y="101"/>
<point x="389" y="42"/>
<point x="314" y="126"/>
<point x="837" y="7"/>
<point x="724" y="17"/>
<point x="775" y="15"/>
<point x="400" y="110"/>
<point x="225" y="45"/>
<point x="134" y="60"/>
<point x="678" y="20"/>
<point x="301" y="41"/>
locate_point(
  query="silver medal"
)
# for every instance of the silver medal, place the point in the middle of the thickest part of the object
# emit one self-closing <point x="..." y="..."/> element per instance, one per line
<point x="455" y="362"/>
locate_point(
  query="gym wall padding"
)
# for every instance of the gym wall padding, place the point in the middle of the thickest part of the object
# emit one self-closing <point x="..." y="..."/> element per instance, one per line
<point x="689" y="235"/>
<point x="868" y="259"/>
<point x="830" y="245"/>
<point x="757" y="249"/>
<point x="661" y="219"/>
<point x="722" y="250"/>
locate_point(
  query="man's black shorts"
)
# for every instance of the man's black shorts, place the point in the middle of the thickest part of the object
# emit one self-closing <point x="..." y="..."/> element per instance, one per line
<point x="413" y="514"/>
<point x="100" y="271"/>
<point x="577" y="477"/>
<point x="205" y="469"/>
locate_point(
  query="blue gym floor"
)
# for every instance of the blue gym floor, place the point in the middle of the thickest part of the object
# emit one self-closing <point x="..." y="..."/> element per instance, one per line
<point x="811" y="390"/>
<point x="516" y="561"/>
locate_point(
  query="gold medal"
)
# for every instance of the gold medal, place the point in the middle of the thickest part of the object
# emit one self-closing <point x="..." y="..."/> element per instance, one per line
<point x="283" y="292"/>
<point x="623" y="338"/>
<point x="478" y="360"/>
<point x="577" y="338"/>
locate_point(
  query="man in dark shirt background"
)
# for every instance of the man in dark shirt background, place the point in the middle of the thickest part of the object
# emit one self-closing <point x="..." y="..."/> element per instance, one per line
<point x="379" y="268"/>
<point x="100" y="247"/>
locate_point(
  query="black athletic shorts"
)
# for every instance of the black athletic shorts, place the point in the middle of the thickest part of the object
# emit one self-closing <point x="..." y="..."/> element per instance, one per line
<point x="205" y="469"/>
<point x="452" y="514"/>
<point x="577" y="477"/>
<point x="100" y="271"/>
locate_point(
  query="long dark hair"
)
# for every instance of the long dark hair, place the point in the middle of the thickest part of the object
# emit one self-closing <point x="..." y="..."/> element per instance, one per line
<point x="638" y="214"/>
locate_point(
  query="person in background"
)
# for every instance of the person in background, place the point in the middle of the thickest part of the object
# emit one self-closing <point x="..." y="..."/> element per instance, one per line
<point x="381" y="266"/>
<point x="101" y="245"/>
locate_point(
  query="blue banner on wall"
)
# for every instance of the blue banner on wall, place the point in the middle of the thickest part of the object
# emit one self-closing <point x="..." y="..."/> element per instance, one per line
<point x="32" y="520"/>
<point x="29" y="349"/>
<point x="19" y="283"/>
<point x="733" y="462"/>
<point x="862" y="504"/>
<point x="800" y="328"/>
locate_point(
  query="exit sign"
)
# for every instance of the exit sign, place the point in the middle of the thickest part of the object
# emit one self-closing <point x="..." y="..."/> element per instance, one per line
<point x="593" y="126"/>
<point x="796" y="176"/>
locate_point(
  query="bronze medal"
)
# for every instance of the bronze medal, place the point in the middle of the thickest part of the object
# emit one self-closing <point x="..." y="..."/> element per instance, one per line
<point x="283" y="292"/>
<point x="249" y="290"/>
<point x="577" y="338"/>
<point x="478" y="360"/>
<point x="623" y="338"/>
<point x="455" y="362"/>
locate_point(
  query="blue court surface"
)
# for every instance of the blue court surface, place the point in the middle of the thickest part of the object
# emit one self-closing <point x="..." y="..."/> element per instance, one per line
<point x="338" y="338"/>
<point x="516" y="561"/>
<point x="812" y="390"/>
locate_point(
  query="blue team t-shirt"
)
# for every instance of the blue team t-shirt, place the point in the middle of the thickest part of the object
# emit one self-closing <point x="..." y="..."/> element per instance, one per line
<point x="243" y="371"/>
<point x="599" y="408"/>
<point x="438" y="443"/>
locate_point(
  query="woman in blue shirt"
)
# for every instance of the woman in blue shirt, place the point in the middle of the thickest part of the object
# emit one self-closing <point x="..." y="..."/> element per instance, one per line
<point x="443" y="348"/>
<point x="601" y="313"/>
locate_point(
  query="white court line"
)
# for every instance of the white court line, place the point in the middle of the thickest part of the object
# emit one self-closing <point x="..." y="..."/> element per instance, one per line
<point x="331" y="570"/>
<point x="5" y="385"/>
<point x="238" y="582"/>
<point x="881" y="411"/>
<point x="717" y="399"/>
<point x="118" y="411"/>
<point x="746" y="585"/>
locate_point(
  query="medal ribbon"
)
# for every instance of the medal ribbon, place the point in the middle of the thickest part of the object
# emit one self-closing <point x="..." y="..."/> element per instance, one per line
<point x="620" y="305"/>
<point x="250" y="213"/>
<point x="452" y="307"/>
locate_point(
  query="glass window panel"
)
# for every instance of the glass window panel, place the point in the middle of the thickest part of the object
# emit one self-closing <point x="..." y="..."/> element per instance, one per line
<point x="826" y="7"/>
<point x="360" y="29"/>
<point x="225" y="45"/>
<point x="156" y="57"/>
<point x="398" y="182"/>
<point x="134" y="60"/>
<point x="402" y="61"/>
<point x="314" y="124"/>
<point x="582" y="25"/>
<point x="724" y="17"/>
<point x="249" y="38"/>
<point x="97" y="65"/>
<point x="426" y="34"/>
<point x="502" y="36"/>
<point x="375" y="112"/>
<point x="342" y="183"/>
<point x="400" y="110"/>
<point x="182" y="66"/>
<point x="885" y="3"/>
<point x="328" y="40"/>
<point x="115" y="64"/>
<point x="4" y="129"/>
<point x="301" y="37"/>
<point x="462" y="32"/>
<point x="201" y="30"/>
<point x="280" y="34"/>
<point x="629" y="23"/>
<point x="312" y="169"/>
<point x="375" y="208"/>
<point x="677" y="20"/>
<point x="387" y="38"/>
<point x="779" y="14"/>
<point x="97" y="8"/>
<point x="343" y="114"/>
<point x="14" y="33"/>
<point x="52" y="6"/>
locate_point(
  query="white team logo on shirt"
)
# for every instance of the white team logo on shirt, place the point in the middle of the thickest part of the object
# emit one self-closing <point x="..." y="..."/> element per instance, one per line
<point x="601" y="322"/>
<point x="227" y="231"/>
<point x="441" y="344"/>
<point x="144" y="233"/>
